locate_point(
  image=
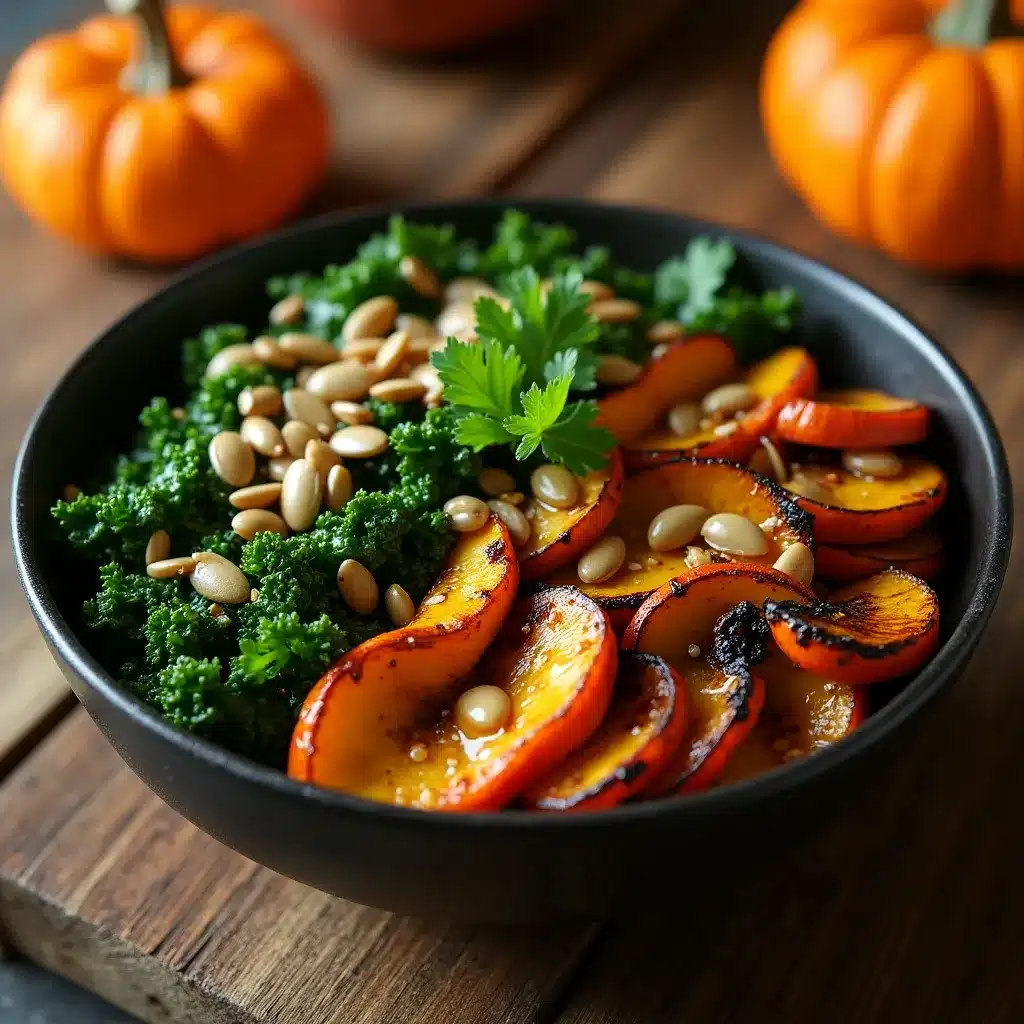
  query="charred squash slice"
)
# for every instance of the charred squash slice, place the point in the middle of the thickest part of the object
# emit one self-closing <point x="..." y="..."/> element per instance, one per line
<point x="868" y="511"/>
<point x="717" y="486"/>
<point x="379" y="687"/>
<point x="687" y="371"/>
<point x="876" y="629"/>
<point x="559" y="536"/>
<point x="789" y="373"/>
<point x="854" y="418"/>
<point x="919" y="553"/>
<point x="644" y="727"/>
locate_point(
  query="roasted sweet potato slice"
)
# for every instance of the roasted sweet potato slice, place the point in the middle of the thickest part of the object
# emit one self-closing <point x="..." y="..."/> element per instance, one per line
<point x="919" y="553"/>
<point x="789" y="373"/>
<point x="688" y="370"/>
<point x="719" y="487"/>
<point x="643" y="728"/>
<point x="876" y="629"/>
<point x="854" y="418"/>
<point x="559" y="536"/>
<point x="381" y="685"/>
<point x="860" y="511"/>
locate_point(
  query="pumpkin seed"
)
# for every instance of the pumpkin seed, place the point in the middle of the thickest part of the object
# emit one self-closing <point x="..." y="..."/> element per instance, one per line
<point x="602" y="561"/>
<point x="735" y="535"/>
<point x="256" y="496"/>
<point x="467" y="289"/>
<point x="347" y="381"/>
<point x="171" y="568"/>
<point x="495" y="481"/>
<point x="809" y="488"/>
<point x="434" y="398"/>
<point x="555" y="485"/>
<point x="339" y="487"/>
<point x="359" y="442"/>
<point x="458" y="320"/>
<point x="251" y="521"/>
<point x="322" y="456"/>
<point x="228" y="358"/>
<point x="308" y="408"/>
<point x="262" y="434"/>
<point x="297" y="435"/>
<point x="303" y="374"/>
<point x="466" y="513"/>
<point x="370" y="319"/>
<point x="352" y="413"/>
<point x="419" y="277"/>
<point x="517" y="524"/>
<point x="363" y="350"/>
<point x="218" y="579"/>
<point x="391" y="354"/>
<point x="664" y="332"/>
<point x="615" y="311"/>
<point x="659" y="350"/>
<point x="426" y="375"/>
<point x="420" y="349"/>
<point x="482" y="711"/>
<point x="617" y="370"/>
<point x="288" y="310"/>
<point x="597" y="290"/>
<point x="797" y="561"/>
<point x="271" y="354"/>
<point x="728" y="399"/>
<point x="308" y="348"/>
<point x="399" y="605"/>
<point x="684" y="419"/>
<point x="232" y="459"/>
<point x="158" y="547"/>
<point x="262" y="400"/>
<point x="726" y="429"/>
<point x="415" y="326"/>
<point x="675" y="526"/>
<point x="513" y="497"/>
<point x="301" y="491"/>
<point x="358" y="587"/>
<point x="398" y="389"/>
<point x="277" y="468"/>
<point x="880" y="464"/>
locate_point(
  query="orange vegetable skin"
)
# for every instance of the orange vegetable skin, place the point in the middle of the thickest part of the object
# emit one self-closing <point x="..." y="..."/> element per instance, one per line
<point x="854" y="418"/>
<point x="789" y="373"/>
<point x="685" y="373"/>
<point x="382" y="684"/>
<point x="719" y="487"/>
<point x="559" y="536"/>
<point x="169" y="169"/>
<point x="863" y="511"/>
<point x="643" y="728"/>
<point x="876" y="629"/>
<point x="919" y="553"/>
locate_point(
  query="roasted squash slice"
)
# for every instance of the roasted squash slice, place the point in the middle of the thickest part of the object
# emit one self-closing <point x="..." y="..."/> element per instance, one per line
<point x="854" y="418"/>
<point x="862" y="511"/>
<point x="717" y="486"/>
<point x="559" y="536"/>
<point x="687" y="371"/>
<point x="643" y="728"/>
<point x="919" y="553"/>
<point x="876" y="629"/>
<point x="379" y="687"/>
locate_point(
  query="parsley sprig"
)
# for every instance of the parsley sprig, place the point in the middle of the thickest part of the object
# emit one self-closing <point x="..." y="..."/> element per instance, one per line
<point x="513" y="387"/>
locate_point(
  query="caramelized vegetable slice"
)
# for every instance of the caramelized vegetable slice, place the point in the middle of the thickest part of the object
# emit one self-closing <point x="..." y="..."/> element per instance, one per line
<point x="644" y="727"/>
<point x="868" y="511"/>
<point x="876" y="629"/>
<point x="559" y="536"/>
<point x="380" y="686"/>
<point x="718" y="487"/>
<point x="686" y="372"/>
<point x="854" y="418"/>
<point x="919" y="553"/>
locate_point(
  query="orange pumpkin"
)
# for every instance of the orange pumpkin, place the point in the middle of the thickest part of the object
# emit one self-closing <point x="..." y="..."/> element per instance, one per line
<point x="159" y="139"/>
<point x="902" y="125"/>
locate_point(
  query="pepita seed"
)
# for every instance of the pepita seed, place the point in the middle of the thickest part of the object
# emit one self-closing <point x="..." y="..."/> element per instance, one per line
<point x="434" y="398"/>
<point x="288" y="310"/>
<point x="158" y="547"/>
<point x="427" y="375"/>
<point x="797" y="561"/>
<point x="323" y="458"/>
<point x="303" y="374"/>
<point x="308" y="408"/>
<point x="415" y="326"/>
<point x="467" y="289"/>
<point x="676" y="526"/>
<point x="880" y="464"/>
<point x="420" y="349"/>
<point x="218" y="579"/>
<point x="809" y="488"/>
<point x="296" y="436"/>
<point x="258" y="520"/>
<point x="513" y="497"/>
<point x="495" y="481"/>
<point x="232" y="459"/>
<point x="399" y="605"/>
<point x="339" y="488"/>
<point x="370" y="319"/>
<point x="664" y="332"/>
<point x="301" y="491"/>
<point x="517" y="524"/>
<point x="277" y="468"/>
<point x="256" y="496"/>
<point x="684" y="419"/>
<point x="171" y="568"/>
<point x="602" y="561"/>
<point x="352" y="413"/>
<point x="271" y="354"/>
<point x="359" y="442"/>
<point x="363" y="350"/>
<point x="347" y="381"/>
<point x="617" y="370"/>
<point x="735" y="535"/>
<point x="597" y="290"/>
<point x="458" y="320"/>
<point x="262" y="434"/>
<point x="555" y="485"/>
<point x="660" y="349"/>
<point x="308" y="348"/>
<point x="728" y="399"/>
<point x="419" y="277"/>
<point x="398" y="389"/>
<point x="467" y="513"/>
<point x="358" y="587"/>
<point x="228" y="358"/>
<point x="391" y="354"/>
<point x="262" y="400"/>
<point x="726" y="429"/>
<point x="615" y="311"/>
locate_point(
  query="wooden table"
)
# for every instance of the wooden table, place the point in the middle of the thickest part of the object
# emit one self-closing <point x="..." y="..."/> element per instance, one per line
<point x="906" y="909"/>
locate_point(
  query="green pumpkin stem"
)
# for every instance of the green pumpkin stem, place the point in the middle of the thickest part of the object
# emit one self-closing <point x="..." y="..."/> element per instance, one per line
<point x="155" y="69"/>
<point x="973" y="23"/>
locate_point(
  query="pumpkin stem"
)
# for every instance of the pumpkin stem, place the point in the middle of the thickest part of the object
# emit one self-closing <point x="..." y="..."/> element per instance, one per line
<point x="155" y="68"/>
<point x="974" y="22"/>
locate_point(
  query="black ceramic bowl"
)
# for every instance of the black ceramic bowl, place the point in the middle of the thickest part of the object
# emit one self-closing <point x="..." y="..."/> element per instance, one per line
<point x="510" y="866"/>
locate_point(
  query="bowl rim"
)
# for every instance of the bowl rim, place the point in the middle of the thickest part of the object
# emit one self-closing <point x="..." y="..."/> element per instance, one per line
<point x="938" y="673"/>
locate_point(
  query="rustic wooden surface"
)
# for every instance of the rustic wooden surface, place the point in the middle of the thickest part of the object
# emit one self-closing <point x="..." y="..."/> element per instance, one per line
<point x="905" y="909"/>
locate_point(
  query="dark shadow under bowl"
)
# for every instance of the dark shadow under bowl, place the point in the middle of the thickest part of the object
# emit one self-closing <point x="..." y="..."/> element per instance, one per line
<point x="510" y="866"/>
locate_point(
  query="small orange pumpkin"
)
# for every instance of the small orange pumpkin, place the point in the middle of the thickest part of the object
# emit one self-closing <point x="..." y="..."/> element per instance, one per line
<point x="161" y="139"/>
<point x="901" y="123"/>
